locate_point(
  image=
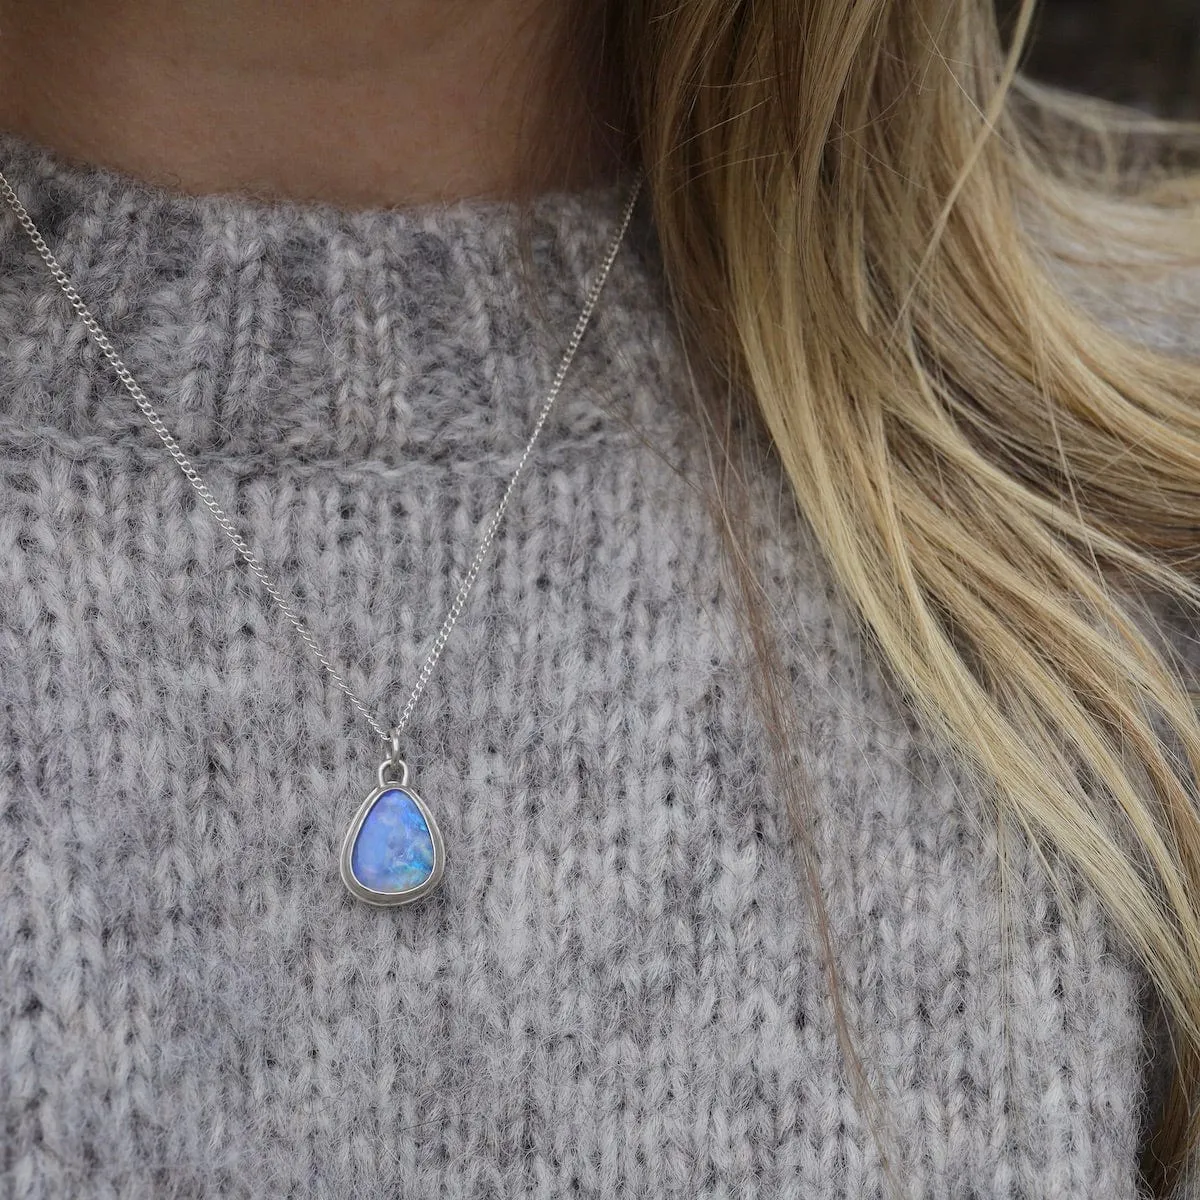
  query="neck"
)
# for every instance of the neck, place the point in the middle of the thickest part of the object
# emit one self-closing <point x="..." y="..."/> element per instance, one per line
<point x="362" y="103"/>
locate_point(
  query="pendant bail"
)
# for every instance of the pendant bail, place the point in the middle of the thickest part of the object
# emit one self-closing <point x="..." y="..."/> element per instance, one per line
<point x="394" y="738"/>
<point x="393" y="762"/>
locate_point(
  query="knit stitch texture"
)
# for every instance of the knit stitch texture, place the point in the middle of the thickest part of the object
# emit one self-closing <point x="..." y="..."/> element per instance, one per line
<point x="618" y="989"/>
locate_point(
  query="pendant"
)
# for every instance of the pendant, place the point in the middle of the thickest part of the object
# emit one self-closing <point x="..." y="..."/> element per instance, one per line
<point x="392" y="853"/>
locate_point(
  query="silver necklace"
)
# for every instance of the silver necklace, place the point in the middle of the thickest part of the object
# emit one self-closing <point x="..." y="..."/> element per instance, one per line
<point x="393" y="851"/>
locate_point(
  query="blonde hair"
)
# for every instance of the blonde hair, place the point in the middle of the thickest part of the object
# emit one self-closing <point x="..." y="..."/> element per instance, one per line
<point x="861" y="207"/>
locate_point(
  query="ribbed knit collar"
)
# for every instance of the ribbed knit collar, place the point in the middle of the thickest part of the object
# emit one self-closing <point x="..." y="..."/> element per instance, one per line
<point x="305" y="329"/>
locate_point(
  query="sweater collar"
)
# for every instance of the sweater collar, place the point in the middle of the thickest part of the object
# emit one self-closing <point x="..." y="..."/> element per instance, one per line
<point x="307" y="329"/>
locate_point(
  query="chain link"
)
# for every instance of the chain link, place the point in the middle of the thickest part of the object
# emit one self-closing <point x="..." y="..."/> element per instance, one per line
<point x="239" y="543"/>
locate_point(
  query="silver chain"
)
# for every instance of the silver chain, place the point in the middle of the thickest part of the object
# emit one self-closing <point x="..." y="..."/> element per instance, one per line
<point x="194" y="478"/>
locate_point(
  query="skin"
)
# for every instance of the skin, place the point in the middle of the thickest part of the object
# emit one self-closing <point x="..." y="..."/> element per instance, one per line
<point x="360" y="103"/>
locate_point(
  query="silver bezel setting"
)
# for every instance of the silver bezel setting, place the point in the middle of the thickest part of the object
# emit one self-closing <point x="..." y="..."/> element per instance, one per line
<point x="391" y="899"/>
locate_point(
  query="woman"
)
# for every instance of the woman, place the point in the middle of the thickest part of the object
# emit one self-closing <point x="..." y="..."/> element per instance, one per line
<point x="847" y="847"/>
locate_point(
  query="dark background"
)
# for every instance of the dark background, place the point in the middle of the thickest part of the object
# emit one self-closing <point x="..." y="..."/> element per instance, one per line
<point x="1145" y="52"/>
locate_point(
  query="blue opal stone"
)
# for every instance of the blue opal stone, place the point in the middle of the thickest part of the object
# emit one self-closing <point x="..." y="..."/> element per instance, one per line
<point x="393" y="851"/>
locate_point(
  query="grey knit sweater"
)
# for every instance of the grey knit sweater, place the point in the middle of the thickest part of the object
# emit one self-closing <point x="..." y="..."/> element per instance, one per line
<point x="618" y="990"/>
